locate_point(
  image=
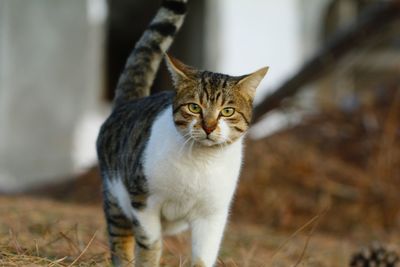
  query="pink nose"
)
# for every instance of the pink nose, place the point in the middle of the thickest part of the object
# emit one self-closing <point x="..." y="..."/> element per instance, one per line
<point x="209" y="129"/>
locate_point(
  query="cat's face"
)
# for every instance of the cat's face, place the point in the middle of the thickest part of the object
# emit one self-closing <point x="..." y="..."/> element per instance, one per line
<point x="211" y="108"/>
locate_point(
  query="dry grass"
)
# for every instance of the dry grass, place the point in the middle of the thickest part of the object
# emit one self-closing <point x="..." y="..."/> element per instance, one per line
<point x="39" y="232"/>
<point x="346" y="162"/>
<point x="46" y="233"/>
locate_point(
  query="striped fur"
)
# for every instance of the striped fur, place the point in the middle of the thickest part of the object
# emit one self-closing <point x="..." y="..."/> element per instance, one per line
<point x="143" y="63"/>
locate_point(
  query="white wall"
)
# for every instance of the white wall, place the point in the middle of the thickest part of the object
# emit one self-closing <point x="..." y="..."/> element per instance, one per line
<point x="50" y="62"/>
<point x="256" y="33"/>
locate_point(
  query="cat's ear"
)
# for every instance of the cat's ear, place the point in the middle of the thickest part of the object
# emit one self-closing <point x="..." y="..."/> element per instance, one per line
<point x="179" y="71"/>
<point x="250" y="82"/>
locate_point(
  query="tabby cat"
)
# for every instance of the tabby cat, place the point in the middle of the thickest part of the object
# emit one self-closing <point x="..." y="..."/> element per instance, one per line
<point x="171" y="161"/>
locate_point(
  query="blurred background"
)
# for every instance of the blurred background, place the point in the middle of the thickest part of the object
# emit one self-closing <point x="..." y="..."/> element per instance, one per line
<point x="325" y="145"/>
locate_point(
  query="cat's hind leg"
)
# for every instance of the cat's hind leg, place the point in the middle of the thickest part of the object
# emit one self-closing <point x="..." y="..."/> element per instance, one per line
<point x="148" y="255"/>
<point x="120" y="233"/>
<point x="148" y="236"/>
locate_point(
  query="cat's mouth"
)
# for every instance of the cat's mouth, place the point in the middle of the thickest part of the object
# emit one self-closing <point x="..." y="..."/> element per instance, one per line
<point x="210" y="141"/>
<point x="207" y="142"/>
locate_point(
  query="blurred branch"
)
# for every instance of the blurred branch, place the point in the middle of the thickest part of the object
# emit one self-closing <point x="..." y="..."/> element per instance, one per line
<point x="367" y="25"/>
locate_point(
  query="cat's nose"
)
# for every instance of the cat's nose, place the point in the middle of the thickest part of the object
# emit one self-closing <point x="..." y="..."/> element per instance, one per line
<point x="209" y="128"/>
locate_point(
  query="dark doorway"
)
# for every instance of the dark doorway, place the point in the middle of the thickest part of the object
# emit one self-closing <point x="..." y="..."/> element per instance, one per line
<point x="126" y="23"/>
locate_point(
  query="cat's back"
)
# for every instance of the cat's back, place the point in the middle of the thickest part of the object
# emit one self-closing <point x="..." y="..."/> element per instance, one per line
<point x="123" y="135"/>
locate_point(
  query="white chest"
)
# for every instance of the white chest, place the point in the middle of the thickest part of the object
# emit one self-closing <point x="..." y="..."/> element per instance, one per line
<point x="186" y="179"/>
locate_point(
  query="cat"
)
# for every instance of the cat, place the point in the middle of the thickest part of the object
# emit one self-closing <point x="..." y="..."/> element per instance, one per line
<point x="171" y="161"/>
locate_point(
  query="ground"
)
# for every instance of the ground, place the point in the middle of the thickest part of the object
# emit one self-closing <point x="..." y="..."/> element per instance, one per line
<point x="43" y="232"/>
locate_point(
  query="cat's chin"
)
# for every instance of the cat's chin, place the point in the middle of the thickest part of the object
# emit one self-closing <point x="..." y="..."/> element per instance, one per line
<point x="209" y="143"/>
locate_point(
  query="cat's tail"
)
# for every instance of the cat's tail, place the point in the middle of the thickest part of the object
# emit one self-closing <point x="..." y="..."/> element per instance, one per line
<point x="142" y="64"/>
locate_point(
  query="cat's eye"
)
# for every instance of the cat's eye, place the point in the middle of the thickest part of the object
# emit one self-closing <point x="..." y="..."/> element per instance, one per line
<point x="227" y="112"/>
<point x="194" y="108"/>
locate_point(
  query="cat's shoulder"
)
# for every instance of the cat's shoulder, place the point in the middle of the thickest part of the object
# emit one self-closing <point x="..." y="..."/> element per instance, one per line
<point x="143" y="108"/>
<point x="126" y="118"/>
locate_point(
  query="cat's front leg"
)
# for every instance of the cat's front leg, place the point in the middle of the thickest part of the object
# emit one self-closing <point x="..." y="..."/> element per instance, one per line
<point x="207" y="234"/>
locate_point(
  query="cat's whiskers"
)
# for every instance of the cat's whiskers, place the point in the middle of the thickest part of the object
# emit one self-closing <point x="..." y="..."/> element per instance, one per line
<point x="191" y="148"/>
<point x="196" y="133"/>
<point x="187" y="135"/>
<point x="225" y="139"/>
<point x="184" y="143"/>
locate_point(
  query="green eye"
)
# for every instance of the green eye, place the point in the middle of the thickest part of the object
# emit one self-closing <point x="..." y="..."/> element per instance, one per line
<point x="194" y="108"/>
<point x="227" y="112"/>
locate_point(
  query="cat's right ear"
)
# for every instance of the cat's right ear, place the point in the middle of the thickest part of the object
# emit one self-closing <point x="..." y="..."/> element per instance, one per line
<point x="179" y="71"/>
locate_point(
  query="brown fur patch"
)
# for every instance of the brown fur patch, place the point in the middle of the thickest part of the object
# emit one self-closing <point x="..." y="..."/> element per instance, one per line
<point x="150" y="256"/>
<point x="122" y="250"/>
<point x="198" y="263"/>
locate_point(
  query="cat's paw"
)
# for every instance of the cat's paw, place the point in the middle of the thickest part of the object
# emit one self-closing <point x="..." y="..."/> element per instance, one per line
<point x="198" y="263"/>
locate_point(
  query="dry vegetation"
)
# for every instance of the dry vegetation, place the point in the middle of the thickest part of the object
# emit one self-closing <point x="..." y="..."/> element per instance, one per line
<point x="347" y="163"/>
<point x="309" y="196"/>
<point x="40" y="232"/>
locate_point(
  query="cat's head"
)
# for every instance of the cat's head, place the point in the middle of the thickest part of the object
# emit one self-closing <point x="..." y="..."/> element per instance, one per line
<point x="212" y="108"/>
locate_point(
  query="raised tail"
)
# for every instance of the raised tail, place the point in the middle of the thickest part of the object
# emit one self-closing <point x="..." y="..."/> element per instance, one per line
<point x="142" y="64"/>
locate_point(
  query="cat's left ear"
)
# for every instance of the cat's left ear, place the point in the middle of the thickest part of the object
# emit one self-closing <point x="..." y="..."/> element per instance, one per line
<point x="251" y="81"/>
<point x="179" y="71"/>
